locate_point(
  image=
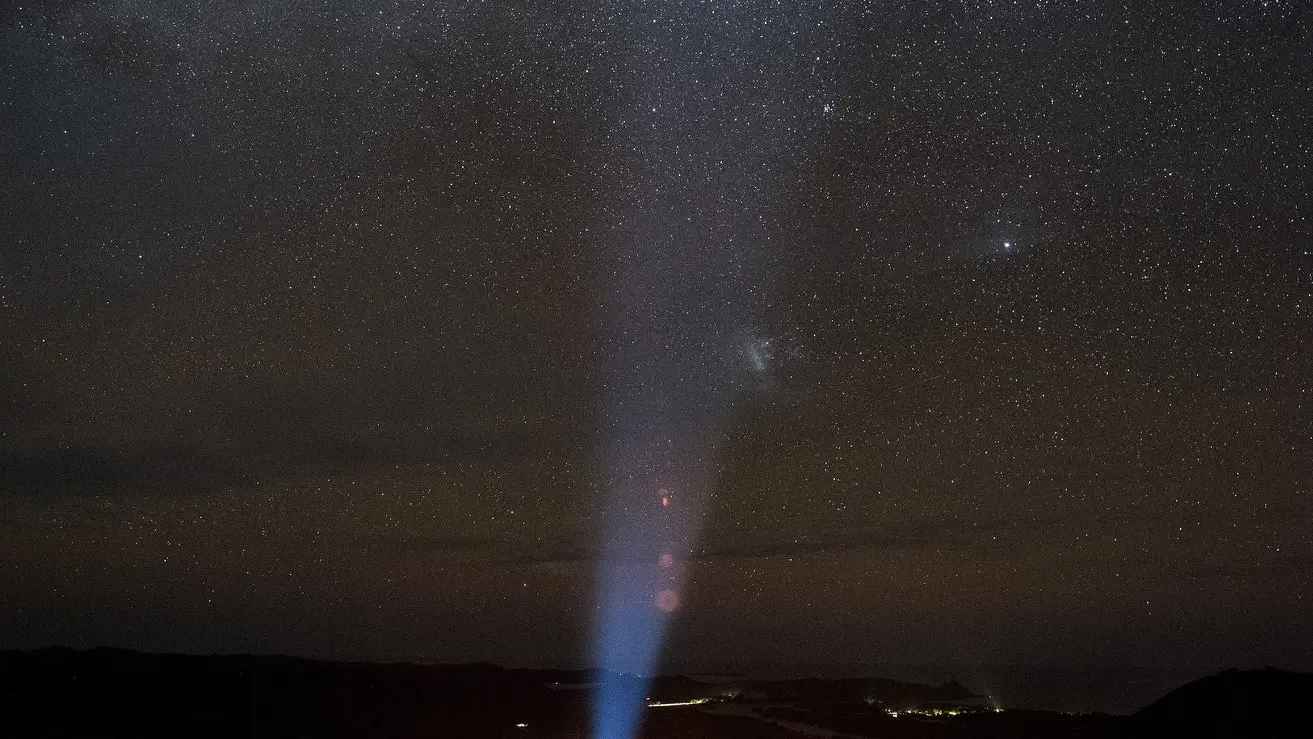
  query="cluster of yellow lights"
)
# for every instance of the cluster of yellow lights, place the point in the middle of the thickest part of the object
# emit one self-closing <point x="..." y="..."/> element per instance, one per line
<point x="671" y="704"/>
<point x="933" y="712"/>
<point x="936" y="712"/>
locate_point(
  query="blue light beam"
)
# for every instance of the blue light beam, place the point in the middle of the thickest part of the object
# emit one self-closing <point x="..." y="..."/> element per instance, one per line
<point x="688" y="212"/>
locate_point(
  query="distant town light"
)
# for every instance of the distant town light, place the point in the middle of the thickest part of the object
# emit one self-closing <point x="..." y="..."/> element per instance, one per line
<point x="671" y="704"/>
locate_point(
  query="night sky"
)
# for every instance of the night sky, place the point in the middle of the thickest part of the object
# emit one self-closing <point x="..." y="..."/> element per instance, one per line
<point x="993" y="322"/>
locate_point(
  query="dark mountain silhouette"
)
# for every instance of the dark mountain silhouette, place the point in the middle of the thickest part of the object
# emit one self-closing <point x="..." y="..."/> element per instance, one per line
<point x="106" y="692"/>
<point x="1234" y="703"/>
<point x="118" y="693"/>
<point x="849" y="690"/>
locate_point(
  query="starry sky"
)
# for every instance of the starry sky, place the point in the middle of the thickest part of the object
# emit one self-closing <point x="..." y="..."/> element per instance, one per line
<point x="995" y="317"/>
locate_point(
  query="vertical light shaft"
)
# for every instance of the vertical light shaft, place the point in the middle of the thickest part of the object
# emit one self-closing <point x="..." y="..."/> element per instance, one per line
<point x="686" y="215"/>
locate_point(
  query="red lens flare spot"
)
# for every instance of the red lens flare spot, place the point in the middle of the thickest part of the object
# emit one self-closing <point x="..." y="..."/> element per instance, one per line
<point x="666" y="559"/>
<point x="667" y="600"/>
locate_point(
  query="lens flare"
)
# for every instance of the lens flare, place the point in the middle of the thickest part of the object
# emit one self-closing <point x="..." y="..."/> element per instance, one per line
<point x="667" y="600"/>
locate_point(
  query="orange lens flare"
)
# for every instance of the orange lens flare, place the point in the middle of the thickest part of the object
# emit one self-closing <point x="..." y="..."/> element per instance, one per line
<point x="667" y="600"/>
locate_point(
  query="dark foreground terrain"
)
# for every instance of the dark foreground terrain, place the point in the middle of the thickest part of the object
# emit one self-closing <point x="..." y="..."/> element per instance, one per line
<point x="117" y="693"/>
